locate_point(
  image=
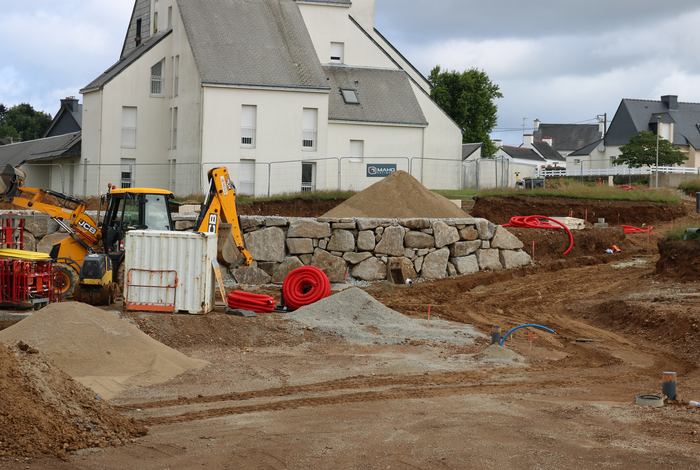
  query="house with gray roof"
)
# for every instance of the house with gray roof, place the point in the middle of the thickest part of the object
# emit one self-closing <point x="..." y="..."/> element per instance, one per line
<point x="286" y="94"/>
<point x="679" y="123"/>
<point x="68" y="119"/>
<point x="567" y="138"/>
<point x="521" y="155"/>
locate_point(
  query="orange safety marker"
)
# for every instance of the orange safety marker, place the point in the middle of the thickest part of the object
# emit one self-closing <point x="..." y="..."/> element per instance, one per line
<point x="428" y="316"/>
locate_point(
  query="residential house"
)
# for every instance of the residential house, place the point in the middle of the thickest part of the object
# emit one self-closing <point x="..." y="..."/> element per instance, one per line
<point x="472" y="151"/>
<point x="253" y="84"/>
<point x="67" y="120"/>
<point x="679" y="123"/>
<point x="545" y="150"/>
<point x="567" y="138"/>
<point x="521" y="155"/>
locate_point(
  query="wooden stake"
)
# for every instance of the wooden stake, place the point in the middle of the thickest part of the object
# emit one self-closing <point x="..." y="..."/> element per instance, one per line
<point x="428" y="316"/>
<point x="533" y="251"/>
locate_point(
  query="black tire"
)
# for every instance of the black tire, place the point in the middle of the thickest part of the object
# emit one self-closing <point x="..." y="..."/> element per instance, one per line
<point x="67" y="279"/>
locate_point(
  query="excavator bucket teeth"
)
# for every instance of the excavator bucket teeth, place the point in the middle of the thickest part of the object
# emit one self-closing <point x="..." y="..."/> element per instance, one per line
<point x="227" y="251"/>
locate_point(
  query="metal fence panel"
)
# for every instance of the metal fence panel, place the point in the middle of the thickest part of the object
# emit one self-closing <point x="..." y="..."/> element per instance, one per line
<point x="438" y="173"/>
<point x="44" y="175"/>
<point x="359" y="173"/>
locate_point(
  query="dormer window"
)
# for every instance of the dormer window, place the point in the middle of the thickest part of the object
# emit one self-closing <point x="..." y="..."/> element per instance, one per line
<point x="350" y="96"/>
<point x="337" y="49"/>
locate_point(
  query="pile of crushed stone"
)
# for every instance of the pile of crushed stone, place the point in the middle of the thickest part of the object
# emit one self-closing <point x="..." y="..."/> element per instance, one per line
<point x="45" y="412"/>
<point x="398" y="196"/>
<point x="360" y="319"/>
<point x="98" y="349"/>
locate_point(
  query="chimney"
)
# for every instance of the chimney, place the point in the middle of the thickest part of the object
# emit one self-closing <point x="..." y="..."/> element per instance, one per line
<point x="548" y="140"/>
<point x="498" y="143"/>
<point x="537" y="124"/>
<point x="601" y="128"/>
<point x="528" y="139"/>
<point x="671" y="102"/>
<point x="71" y="103"/>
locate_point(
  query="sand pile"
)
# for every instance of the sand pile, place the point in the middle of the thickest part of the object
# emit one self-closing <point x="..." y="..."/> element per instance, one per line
<point x="398" y="196"/>
<point x="98" y="349"/>
<point x="45" y="412"/>
<point x="361" y="319"/>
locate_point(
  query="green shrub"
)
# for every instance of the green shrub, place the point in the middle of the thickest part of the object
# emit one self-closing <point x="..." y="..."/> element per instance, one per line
<point x="690" y="187"/>
<point x="681" y="233"/>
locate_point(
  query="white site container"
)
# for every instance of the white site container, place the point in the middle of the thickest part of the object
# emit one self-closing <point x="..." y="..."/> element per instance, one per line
<point x="152" y="254"/>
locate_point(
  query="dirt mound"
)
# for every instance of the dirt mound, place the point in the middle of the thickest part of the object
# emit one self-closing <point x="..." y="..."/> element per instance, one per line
<point x="399" y="195"/>
<point x="98" y="349"/>
<point x="359" y="318"/>
<point x="679" y="260"/>
<point x="499" y="210"/>
<point x="550" y="244"/>
<point x="45" y="412"/>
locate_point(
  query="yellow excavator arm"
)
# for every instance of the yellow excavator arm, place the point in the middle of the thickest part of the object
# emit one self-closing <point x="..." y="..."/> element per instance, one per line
<point x="220" y="215"/>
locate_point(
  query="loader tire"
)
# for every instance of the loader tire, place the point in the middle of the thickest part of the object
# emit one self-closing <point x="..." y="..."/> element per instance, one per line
<point x="67" y="279"/>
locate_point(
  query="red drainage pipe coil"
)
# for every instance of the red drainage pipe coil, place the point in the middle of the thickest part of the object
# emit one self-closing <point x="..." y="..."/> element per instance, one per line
<point x="534" y="221"/>
<point x="304" y="286"/>
<point x="631" y="229"/>
<point x="246" y="301"/>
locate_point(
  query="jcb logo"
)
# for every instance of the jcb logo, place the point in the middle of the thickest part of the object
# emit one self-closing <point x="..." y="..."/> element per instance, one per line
<point x="87" y="227"/>
<point x="212" y="223"/>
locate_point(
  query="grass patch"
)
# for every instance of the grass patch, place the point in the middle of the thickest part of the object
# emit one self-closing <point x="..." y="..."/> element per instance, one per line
<point x="583" y="191"/>
<point x="681" y="233"/>
<point x="690" y="187"/>
<point x="455" y="193"/>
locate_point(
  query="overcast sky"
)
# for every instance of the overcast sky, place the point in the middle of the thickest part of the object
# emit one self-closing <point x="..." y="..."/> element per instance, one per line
<point x="554" y="60"/>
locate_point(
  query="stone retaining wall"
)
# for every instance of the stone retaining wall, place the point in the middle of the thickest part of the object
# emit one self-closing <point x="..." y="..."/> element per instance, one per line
<point x="362" y="248"/>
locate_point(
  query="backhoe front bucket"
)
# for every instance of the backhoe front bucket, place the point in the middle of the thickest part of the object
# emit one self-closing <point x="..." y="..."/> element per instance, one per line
<point x="11" y="179"/>
<point x="227" y="252"/>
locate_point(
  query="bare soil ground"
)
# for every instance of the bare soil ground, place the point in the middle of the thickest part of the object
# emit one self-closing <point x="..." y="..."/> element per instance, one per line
<point x="279" y="396"/>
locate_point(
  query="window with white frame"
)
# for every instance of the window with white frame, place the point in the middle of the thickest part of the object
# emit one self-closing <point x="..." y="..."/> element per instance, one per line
<point x="247" y="180"/>
<point x="357" y="148"/>
<point x="157" y="78"/>
<point x="248" y="117"/>
<point x="128" y="127"/>
<point x="127" y="172"/>
<point x="174" y="128"/>
<point x="337" y="50"/>
<point x="176" y="75"/>
<point x="308" y="176"/>
<point x="309" y="129"/>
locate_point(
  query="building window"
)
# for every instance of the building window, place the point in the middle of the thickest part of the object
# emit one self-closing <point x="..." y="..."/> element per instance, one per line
<point x="350" y="96"/>
<point x="170" y="17"/>
<point x="308" y="176"/>
<point x="248" y="115"/>
<point x="128" y="127"/>
<point x="337" y="50"/>
<point x="357" y="150"/>
<point x="174" y="128"/>
<point x="176" y="75"/>
<point x="138" y="32"/>
<point x="155" y="22"/>
<point x="247" y="181"/>
<point x="157" y="78"/>
<point x="127" y="172"/>
<point x="309" y="129"/>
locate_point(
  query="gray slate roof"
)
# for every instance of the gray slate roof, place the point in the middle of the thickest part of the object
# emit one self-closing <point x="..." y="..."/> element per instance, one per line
<point x="122" y="64"/>
<point x="568" y="136"/>
<point x="40" y="149"/>
<point x="633" y="116"/>
<point x="523" y="153"/>
<point x="68" y="119"/>
<point x="547" y="151"/>
<point x="587" y="150"/>
<point x="244" y="42"/>
<point x="468" y="149"/>
<point x="385" y="96"/>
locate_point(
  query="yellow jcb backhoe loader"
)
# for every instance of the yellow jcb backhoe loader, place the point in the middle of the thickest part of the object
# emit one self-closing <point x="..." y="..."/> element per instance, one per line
<point x="93" y="254"/>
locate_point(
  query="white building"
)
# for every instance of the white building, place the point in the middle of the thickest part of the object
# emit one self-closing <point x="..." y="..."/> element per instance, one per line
<point x="250" y="84"/>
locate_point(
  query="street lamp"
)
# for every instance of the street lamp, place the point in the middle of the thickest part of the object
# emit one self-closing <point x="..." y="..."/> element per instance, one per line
<point x="658" y="131"/>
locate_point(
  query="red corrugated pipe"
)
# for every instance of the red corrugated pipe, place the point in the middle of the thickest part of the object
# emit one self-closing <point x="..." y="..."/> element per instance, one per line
<point x="247" y="301"/>
<point x="535" y="221"/>
<point x="304" y="286"/>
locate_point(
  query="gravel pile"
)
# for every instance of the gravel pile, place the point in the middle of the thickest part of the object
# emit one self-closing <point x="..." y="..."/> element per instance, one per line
<point x="359" y="318"/>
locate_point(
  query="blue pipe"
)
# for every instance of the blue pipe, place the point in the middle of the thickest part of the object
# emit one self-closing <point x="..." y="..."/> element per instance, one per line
<point x="523" y="326"/>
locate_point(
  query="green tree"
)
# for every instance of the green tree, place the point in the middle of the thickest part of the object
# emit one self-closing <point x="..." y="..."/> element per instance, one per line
<point x="468" y="98"/>
<point x="28" y="123"/>
<point x="641" y="151"/>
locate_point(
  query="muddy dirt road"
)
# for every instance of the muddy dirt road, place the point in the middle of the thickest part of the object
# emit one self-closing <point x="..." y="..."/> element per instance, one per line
<point x="277" y="395"/>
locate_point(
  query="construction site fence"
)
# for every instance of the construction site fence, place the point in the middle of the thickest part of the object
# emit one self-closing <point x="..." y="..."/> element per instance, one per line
<point x="262" y="179"/>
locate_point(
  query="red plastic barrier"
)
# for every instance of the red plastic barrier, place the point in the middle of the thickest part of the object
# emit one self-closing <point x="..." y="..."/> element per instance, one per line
<point x="631" y="229"/>
<point x="304" y="286"/>
<point x="247" y="301"/>
<point x="534" y="221"/>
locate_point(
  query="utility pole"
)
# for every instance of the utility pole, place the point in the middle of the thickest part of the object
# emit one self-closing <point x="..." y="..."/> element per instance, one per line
<point x="658" y="131"/>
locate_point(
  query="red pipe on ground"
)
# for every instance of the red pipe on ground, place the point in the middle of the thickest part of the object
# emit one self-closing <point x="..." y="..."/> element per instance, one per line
<point x="247" y="301"/>
<point x="534" y="221"/>
<point x="304" y="286"/>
